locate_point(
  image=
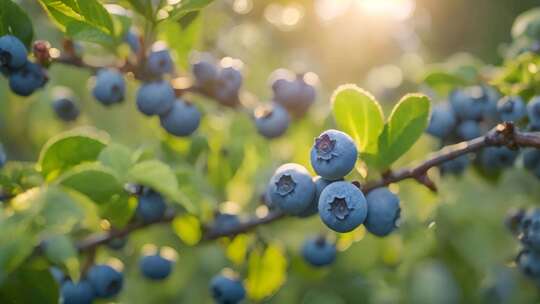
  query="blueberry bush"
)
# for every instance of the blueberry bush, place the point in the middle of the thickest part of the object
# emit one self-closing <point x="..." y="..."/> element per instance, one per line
<point x="138" y="164"/>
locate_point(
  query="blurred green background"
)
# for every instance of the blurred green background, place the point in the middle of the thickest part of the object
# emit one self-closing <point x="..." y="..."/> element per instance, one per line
<point x="452" y="244"/>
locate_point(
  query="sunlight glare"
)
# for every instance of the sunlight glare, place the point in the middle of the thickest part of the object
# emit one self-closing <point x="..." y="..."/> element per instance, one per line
<point x="396" y="9"/>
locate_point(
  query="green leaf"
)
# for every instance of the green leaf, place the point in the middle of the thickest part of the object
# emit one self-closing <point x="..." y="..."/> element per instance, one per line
<point x="93" y="180"/>
<point x="267" y="271"/>
<point x="527" y="24"/>
<point x="406" y="124"/>
<point x="161" y="178"/>
<point x="80" y="30"/>
<point x="69" y="149"/>
<point x="17" y="245"/>
<point x="188" y="228"/>
<point x="181" y="39"/>
<point x="61" y="12"/>
<point x="143" y="7"/>
<point x="357" y="113"/>
<point x="94" y="13"/>
<point x="443" y="82"/>
<point x="30" y="286"/>
<point x="60" y="250"/>
<point x="14" y="21"/>
<point x="118" y="158"/>
<point x="187" y="6"/>
<point x="119" y="210"/>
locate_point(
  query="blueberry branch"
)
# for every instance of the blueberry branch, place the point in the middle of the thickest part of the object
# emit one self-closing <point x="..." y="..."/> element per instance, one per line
<point x="504" y="134"/>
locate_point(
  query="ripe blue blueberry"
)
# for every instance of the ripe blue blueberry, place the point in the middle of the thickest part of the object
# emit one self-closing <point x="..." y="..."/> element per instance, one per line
<point x="531" y="159"/>
<point x="151" y="206"/>
<point x="230" y="78"/>
<point x="497" y="158"/>
<point x="469" y="103"/>
<point x="291" y="188"/>
<point x="132" y="39"/>
<point x="455" y="166"/>
<point x="66" y="109"/>
<point x="57" y="274"/>
<point x="383" y="211"/>
<point x="342" y="206"/>
<point x="155" y="267"/>
<point x="319" y="252"/>
<point x="155" y="98"/>
<point x="182" y="119"/>
<point x="333" y="154"/>
<point x="117" y="243"/>
<point x="27" y="79"/>
<point x="442" y="121"/>
<point x="225" y="222"/>
<point x="468" y="130"/>
<point x="533" y="110"/>
<point x="110" y="87"/>
<point x="226" y="290"/>
<point x="77" y="293"/>
<point x="511" y="108"/>
<point x="529" y="263"/>
<point x="106" y="281"/>
<point x="12" y="52"/>
<point x="292" y="91"/>
<point x="313" y="208"/>
<point x="160" y="62"/>
<point x="530" y="229"/>
<point x="271" y="121"/>
<point x="205" y="72"/>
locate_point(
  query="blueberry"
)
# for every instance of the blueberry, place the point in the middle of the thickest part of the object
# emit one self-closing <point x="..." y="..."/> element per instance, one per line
<point x="292" y="189"/>
<point x="293" y="92"/>
<point x="227" y="290"/>
<point x="271" y="121"/>
<point x="533" y="110"/>
<point x="66" y="109"/>
<point x="531" y="159"/>
<point x="117" y="243"/>
<point x="110" y="87"/>
<point x="225" y="222"/>
<point x="342" y="206"/>
<point x="530" y="229"/>
<point x="205" y="72"/>
<point x="313" y="208"/>
<point x="230" y="78"/>
<point x="383" y="211"/>
<point x="160" y="62"/>
<point x="182" y="119"/>
<point x="455" y="166"/>
<point x="77" y="293"/>
<point x="442" y="121"/>
<point x="469" y="103"/>
<point x="27" y="79"/>
<point x="491" y="97"/>
<point x="155" y="267"/>
<point x="132" y="39"/>
<point x="468" y="130"/>
<point x="333" y="154"/>
<point x="496" y="158"/>
<point x="319" y="252"/>
<point x="106" y="281"/>
<point x="13" y="53"/>
<point x="155" y="98"/>
<point x="3" y="156"/>
<point x="151" y="206"/>
<point x="529" y="263"/>
<point x="511" y="108"/>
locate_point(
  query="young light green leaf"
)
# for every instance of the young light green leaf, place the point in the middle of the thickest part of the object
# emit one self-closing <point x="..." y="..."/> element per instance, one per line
<point x="69" y="149"/>
<point x="60" y="250"/>
<point x="181" y="39"/>
<point x="94" y="13"/>
<point x="84" y="31"/>
<point x="267" y="271"/>
<point x="186" y="7"/>
<point x="188" y="228"/>
<point x="161" y="178"/>
<point x="61" y="12"/>
<point x="93" y="180"/>
<point x="405" y="125"/>
<point x="443" y="82"/>
<point x="14" y="21"/>
<point x="117" y="158"/>
<point x="357" y="113"/>
<point x="119" y="209"/>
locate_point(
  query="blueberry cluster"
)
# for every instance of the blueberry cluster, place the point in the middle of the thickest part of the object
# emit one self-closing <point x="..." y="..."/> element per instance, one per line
<point x="471" y="112"/>
<point x="292" y="91"/>
<point x="100" y="282"/>
<point x="341" y="205"/>
<point x="25" y="76"/>
<point x="526" y="226"/>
